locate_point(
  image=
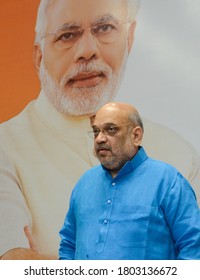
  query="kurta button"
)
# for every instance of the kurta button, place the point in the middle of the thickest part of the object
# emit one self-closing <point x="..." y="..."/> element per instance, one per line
<point x="105" y="221"/>
<point x="113" y="184"/>
<point x="108" y="201"/>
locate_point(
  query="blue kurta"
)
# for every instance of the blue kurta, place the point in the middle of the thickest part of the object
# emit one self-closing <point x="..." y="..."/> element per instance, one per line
<point x="148" y="211"/>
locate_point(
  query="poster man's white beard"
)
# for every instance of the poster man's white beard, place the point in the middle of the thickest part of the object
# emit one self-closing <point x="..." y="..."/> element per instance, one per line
<point x="80" y="101"/>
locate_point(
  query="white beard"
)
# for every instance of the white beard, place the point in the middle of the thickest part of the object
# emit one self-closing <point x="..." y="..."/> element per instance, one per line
<point x="81" y="101"/>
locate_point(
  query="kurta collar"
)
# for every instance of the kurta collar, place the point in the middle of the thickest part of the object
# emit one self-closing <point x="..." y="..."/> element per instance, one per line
<point x="131" y="165"/>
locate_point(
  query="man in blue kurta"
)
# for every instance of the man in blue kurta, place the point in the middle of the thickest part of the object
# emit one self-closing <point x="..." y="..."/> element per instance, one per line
<point x="131" y="206"/>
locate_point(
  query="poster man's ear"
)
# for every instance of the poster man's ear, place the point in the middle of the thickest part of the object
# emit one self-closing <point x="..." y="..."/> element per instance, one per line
<point x="131" y="33"/>
<point x="37" y="57"/>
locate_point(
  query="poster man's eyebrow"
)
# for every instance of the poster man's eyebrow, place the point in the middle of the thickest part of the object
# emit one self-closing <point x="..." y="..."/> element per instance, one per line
<point x="106" y="17"/>
<point x="76" y="24"/>
<point x="68" y="25"/>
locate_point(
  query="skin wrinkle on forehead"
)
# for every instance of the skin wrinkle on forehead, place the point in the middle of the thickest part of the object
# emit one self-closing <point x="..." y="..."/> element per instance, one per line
<point x="129" y="7"/>
<point x="112" y="11"/>
<point x="76" y="24"/>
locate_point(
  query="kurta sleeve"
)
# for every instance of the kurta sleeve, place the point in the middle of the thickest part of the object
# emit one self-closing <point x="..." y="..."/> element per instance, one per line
<point x="183" y="216"/>
<point x="68" y="234"/>
<point x="14" y="213"/>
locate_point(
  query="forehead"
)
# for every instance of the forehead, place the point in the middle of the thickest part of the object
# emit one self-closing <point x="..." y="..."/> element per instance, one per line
<point x="83" y="11"/>
<point x="110" y="116"/>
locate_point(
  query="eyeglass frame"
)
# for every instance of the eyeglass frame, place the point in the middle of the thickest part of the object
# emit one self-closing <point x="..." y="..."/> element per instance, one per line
<point x="81" y="30"/>
<point x="111" y="134"/>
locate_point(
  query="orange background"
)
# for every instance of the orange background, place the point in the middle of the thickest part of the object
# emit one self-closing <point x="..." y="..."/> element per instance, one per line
<point x="18" y="80"/>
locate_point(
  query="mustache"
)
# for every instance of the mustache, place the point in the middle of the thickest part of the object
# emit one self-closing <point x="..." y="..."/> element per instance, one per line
<point x="100" y="147"/>
<point x="86" y="68"/>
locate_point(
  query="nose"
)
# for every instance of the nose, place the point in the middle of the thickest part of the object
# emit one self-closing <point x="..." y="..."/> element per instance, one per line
<point x="86" y="47"/>
<point x="101" y="138"/>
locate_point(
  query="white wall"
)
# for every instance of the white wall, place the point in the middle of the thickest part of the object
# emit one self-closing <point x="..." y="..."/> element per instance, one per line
<point x="163" y="74"/>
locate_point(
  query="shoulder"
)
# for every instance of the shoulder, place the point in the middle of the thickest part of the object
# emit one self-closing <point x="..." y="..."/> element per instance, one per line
<point x="15" y="128"/>
<point x="168" y="171"/>
<point x="162" y="168"/>
<point x="169" y="178"/>
<point x="19" y="119"/>
<point x="88" y="179"/>
<point x="92" y="173"/>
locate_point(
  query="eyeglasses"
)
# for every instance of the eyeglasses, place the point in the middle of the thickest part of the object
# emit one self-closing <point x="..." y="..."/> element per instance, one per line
<point x="107" y="130"/>
<point x="106" y="32"/>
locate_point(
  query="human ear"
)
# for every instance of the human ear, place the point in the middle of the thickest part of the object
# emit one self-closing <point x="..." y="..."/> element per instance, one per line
<point x="37" y="57"/>
<point x="131" y="33"/>
<point x="137" y="135"/>
<point x="92" y="120"/>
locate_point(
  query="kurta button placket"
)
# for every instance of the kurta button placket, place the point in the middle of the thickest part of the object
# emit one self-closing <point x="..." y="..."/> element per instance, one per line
<point x="106" y="218"/>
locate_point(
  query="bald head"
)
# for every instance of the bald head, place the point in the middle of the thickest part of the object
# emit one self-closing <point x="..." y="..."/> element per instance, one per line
<point x="120" y="113"/>
<point x="119" y="106"/>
